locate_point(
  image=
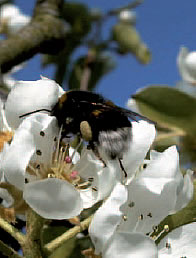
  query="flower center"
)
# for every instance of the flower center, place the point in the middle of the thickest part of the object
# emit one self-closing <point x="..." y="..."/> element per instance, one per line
<point x="61" y="167"/>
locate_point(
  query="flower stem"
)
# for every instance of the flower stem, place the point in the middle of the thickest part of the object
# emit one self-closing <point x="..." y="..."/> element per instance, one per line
<point x="50" y="247"/>
<point x="32" y="246"/>
<point x="8" y="251"/>
<point x="15" y="233"/>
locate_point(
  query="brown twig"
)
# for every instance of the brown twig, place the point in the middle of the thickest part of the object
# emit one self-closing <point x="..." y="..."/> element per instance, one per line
<point x="44" y="34"/>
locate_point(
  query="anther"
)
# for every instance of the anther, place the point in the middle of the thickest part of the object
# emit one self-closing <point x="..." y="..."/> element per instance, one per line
<point x="38" y="166"/>
<point x="124" y="217"/>
<point x="51" y="175"/>
<point x="131" y="204"/>
<point x="42" y="133"/>
<point x="38" y="152"/>
<point x="90" y="179"/>
<point x="68" y="159"/>
<point x="94" y="189"/>
<point x="166" y="228"/>
<point x="26" y="180"/>
<point x="141" y="217"/>
<point x="74" y="174"/>
<point x="168" y="245"/>
<point x="155" y="228"/>
<point x="149" y="215"/>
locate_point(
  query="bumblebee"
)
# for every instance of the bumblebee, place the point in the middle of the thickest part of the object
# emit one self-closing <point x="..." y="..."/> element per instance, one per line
<point x="97" y="120"/>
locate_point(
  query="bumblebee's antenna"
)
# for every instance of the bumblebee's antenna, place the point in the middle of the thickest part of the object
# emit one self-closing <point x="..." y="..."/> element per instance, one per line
<point x="36" y="111"/>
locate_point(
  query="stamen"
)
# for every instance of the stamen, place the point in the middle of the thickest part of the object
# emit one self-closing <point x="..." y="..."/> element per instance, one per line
<point x="94" y="189"/>
<point x="76" y="149"/>
<point x="82" y="185"/>
<point x="131" y="204"/>
<point x="149" y="215"/>
<point x="42" y="133"/>
<point x="38" y="152"/>
<point x="124" y="217"/>
<point x="168" y="245"/>
<point x="68" y="159"/>
<point x="51" y="175"/>
<point x="140" y="218"/>
<point x="74" y="174"/>
<point x="90" y="179"/>
<point x="58" y="144"/>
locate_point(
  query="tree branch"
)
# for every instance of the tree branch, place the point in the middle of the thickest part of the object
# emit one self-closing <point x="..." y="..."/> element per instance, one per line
<point x="44" y="34"/>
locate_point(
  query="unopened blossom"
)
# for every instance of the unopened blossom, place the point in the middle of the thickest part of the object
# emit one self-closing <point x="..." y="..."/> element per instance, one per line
<point x="186" y="62"/>
<point x="12" y="19"/>
<point x="127" y="16"/>
<point x="181" y="242"/>
<point x="157" y="190"/>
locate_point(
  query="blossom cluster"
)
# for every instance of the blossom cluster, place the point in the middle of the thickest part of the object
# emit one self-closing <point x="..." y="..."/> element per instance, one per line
<point x="58" y="182"/>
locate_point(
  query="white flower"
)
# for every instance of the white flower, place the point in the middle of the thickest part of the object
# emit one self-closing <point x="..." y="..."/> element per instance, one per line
<point x="186" y="62"/>
<point x="11" y="19"/>
<point x="181" y="242"/>
<point x="156" y="191"/>
<point x="33" y="144"/>
<point x="28" y="164"/>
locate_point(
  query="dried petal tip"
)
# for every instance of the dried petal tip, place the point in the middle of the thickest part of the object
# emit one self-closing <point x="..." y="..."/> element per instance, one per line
<point x="5" y="137"/>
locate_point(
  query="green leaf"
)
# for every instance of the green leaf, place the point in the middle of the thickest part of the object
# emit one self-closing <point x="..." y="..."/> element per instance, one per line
<point x="98" y="68"/>
<point x="78" y="16"/>
<point x="129" y="40"/>
<point x="169" y="107"/>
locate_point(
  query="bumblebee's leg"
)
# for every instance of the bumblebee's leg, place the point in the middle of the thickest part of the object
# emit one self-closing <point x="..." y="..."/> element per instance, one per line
<point x="91" y="146"/>
<point x="123" y="169"/>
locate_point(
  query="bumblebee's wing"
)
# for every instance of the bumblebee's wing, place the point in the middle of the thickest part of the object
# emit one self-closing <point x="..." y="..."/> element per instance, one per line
<point x="108" y="106"/>
<point x="134" y="115"/>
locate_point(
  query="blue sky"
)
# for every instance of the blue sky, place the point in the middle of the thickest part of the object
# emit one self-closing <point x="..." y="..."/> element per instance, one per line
<point x="164" y="26"/>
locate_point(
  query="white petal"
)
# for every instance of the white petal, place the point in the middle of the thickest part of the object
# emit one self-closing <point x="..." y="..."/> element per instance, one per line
<point x="17" y="157"/>
<point x="130" y="245"/>
<point x="104" y="178"/>
<point x="186" y="193"/>
<point x="7" y="198"/>
<point x="163" y="165"/>
<point x="182" y="243"/>
<point x="152" y="206"/>
<point x="28" y="96"/>
<point x="53" y="198"/>
<point x="143" y="135"/>
<point x="107" y="218"/>
<point x="132" y="104"/>
<point x="44" y="130"/>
